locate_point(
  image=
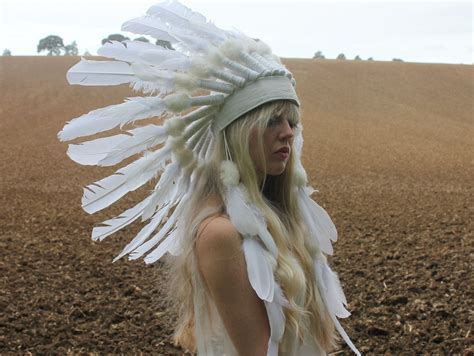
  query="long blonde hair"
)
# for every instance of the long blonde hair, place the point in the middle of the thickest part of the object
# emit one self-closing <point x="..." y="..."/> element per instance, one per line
<point x="294" y="270"/>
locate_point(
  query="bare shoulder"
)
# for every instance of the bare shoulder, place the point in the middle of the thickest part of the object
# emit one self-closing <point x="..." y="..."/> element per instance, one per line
<point x="217" y="237"/>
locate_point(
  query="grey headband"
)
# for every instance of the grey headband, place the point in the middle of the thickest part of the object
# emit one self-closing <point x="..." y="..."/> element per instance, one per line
<point x="254" y="94"/>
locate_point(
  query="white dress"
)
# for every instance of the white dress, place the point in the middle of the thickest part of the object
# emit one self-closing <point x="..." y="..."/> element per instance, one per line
<point x="212" y="338"/>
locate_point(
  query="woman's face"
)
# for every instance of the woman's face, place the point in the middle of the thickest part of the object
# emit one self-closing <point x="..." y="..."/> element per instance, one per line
<point x="277" y="143"/>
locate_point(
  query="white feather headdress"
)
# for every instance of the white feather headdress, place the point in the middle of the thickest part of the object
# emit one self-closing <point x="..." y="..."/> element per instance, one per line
<point x="212" y="78"/>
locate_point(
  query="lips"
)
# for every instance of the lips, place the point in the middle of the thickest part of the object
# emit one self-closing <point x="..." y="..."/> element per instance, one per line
<point x="283" y="150"/>
<point x="283" y="153"/>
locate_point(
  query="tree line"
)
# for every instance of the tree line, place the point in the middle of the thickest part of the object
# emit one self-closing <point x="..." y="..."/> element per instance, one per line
<point x="319" y="55"/>
<point x="54" y="45"/>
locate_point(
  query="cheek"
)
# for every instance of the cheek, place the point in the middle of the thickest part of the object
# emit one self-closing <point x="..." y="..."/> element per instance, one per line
<point x="268" y="142"/>
<point x="253" y="147"/>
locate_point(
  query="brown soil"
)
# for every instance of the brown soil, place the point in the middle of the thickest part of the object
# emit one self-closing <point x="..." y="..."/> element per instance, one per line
<point x="388" y="144"/>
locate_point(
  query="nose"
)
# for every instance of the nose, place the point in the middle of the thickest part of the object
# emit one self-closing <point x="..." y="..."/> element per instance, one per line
<point x="285" y="131"/>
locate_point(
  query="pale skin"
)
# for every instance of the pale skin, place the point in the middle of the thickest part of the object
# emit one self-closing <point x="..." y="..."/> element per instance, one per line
<point x="222" y="263"/>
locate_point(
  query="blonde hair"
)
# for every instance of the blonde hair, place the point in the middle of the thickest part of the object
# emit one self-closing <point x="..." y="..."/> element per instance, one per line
<point x="294" y="270"/>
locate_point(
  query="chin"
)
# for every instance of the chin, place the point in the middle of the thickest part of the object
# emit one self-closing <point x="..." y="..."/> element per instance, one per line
<point x="276" y="170"/>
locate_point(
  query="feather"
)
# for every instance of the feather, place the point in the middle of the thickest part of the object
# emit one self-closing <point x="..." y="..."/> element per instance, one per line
<point x="103" y="193"/>
<point x="177" y="16"/>
<point x="144" y="248"/>
<point x="333" y="297"/>
<point x="91" y="152"/>
<point x="145" y="232"/>
<point x="165" y="190"/>
<point x="335" y="294"/>
<point x="259" y="271"/>
<point x="118" y="50"/>
<point x="276" y="319"/>
<point x="146" y="25"/>
<point x="113" y="225"/>
<point x="319" y="229"/>
<point x="108" y="151"/>
<point x="134" y="51"/>
<point x="162" y="248"/>
<point x="109" y="117"/>
<point x="175" y="248"/>
<point x="246" y="218"/>
<point x="139" y="140"/>
<point x="322" y="219"/>
<point x="178" y="10"/>
<point x="88" y="72"/>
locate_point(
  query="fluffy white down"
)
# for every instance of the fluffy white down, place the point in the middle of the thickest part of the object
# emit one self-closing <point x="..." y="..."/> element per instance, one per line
<point x="175" y="126"/>
<point x="229" y="173"/>
<point x="177" y="102"/>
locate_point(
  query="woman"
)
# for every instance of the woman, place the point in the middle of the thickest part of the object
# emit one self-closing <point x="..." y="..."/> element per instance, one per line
<point x="213" y="247"/>
<point x="232" y="201"/>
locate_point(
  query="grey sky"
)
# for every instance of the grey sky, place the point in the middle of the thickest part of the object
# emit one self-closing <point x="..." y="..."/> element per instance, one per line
<point x="423" y="31"/>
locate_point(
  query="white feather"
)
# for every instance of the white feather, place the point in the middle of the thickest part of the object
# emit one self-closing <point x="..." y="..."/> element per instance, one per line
<point x="103" y="193"/>
<point x="335" y="294"/>
<point x="146" y="25"/>
<point x="276" y="319"/>
<point x="113" y="225"/>
<point x="118" y="50"/>
<point x="88" y="72"/>
<point x="91" y="152"/>
<point x="246" y="218"/>
<point x="165" y="190"/>
<point x="108" y="151"/>
<point x="179" y="10"/>
<point x="333" y="297"/>
<point x="145" y="232"/>
<point x="109" y="117"/>
<point x="259" y="271"/>
<point x="145" y="247"/>
<point x="139" y="140"/>
<point x="318" y="222"/>
<point x="179" y="16"/>
<point x="131" y="51"/>
<point x="322" y="219"/>
<point x="162" y="248"/>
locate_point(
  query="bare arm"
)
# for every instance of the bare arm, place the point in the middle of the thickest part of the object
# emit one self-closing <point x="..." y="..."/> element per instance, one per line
<point x="222" y="264"/>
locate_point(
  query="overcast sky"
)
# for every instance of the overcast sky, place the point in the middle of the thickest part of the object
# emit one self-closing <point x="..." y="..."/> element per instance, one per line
<point x="422" y="31"/>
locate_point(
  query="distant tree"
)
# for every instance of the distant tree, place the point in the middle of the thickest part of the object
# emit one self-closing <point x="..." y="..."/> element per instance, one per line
<point x="164" y="44"/>
<point x="142" y="39"/>
<point x="341" y="56"/>
<point x="357" y="58"/>
<point x="7" y="52"/>
<point x="318" y="55"/>
<point x="397" y="60"/>
<point x="87" y="53"/>
<point x="71" y="49"/>
<point x="370" y="59"/>
<point x="53" y="44"/>
<point x="115" y="37"/>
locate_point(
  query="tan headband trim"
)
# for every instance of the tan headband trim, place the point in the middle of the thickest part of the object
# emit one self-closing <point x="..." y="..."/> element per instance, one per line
<point x="254" y="94"/>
